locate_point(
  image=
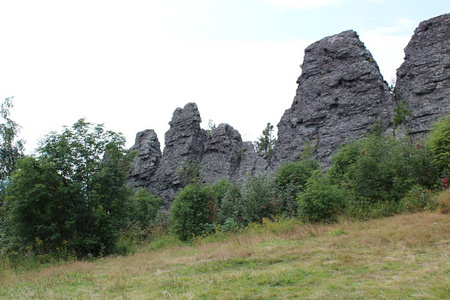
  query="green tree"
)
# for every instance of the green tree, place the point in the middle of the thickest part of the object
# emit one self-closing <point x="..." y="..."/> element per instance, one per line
<point x="382" y="168"/>
<point x="439" y="143"/>
<point x="321" y="201"/>
<point x="266" y="142"/>
<point x="145" y="207"/>
<point x="291" y="179"/>
<point x="74" y="193"/>
<point x="11" y="149"/>
<point x="193" y="211"/>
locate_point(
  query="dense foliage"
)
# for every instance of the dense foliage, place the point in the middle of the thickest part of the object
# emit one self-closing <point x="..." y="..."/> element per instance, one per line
<point x="11" y="149"/>
<point x="193" y="211"/>
<point x="439" y="144"/>
<point x="74" y="194"/>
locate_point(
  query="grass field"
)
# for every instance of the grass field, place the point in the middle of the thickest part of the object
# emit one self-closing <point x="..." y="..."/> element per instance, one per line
<point x="401" y="257"/>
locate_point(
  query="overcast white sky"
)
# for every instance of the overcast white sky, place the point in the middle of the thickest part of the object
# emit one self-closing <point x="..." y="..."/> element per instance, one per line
<point x="130" y="63"/>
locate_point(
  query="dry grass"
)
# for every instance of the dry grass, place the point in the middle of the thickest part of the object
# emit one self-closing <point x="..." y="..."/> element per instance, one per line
<point x="405" y="257"/>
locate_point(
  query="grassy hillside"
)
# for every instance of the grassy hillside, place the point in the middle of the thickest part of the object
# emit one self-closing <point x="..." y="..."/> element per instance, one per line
<point x="401" y="257"/>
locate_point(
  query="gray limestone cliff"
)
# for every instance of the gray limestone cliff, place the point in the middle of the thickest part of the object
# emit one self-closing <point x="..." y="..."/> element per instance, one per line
<point x="423" y="80"/>
<point x="184" y="141"/>
<point x="147" y="160"/>
<point x="340" y="94"/>
<point x="221" y="154"/>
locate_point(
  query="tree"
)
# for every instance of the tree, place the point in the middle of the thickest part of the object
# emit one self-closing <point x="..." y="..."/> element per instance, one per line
<point x="193" y="211"/>
<point x="439" y="143"/>
<point x="266" y="142"/>
<point x="10" y="148"/>
<point x="74" y="193"/>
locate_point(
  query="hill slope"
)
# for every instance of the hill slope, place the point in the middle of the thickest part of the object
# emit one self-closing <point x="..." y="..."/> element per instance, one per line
<point x="405" y="256"/>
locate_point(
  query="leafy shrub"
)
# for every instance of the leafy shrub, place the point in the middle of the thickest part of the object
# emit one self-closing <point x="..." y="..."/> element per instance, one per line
<point x="72" y="194"/>
<point x="231" y="206"/>
<point x="193" y="211"/>
<point x="258" y="199"/>
<point x="189" y="172"/>
<point x="383" y="168"/>
<point x="321" y="201"/>
<point x="439" y="143"/>
<point x="145" y="207"/>
<point x="419" y="198"/>
<point x="361" y="209"/>
<point x="444" y="202"/>
<point x="291" y="179"/>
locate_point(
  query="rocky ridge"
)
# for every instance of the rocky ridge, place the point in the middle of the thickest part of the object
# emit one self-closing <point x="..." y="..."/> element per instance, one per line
<point x="423" y="80"/>
<point x="340" y="96"/>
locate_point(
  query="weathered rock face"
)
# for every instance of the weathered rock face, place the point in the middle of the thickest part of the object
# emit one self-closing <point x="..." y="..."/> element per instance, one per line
<point x="147" y="160"/>
<point x="185" y="141"/>
<point x="220" y="155"/>
<point x="423" y="80"/>
<point x="340" y="94"/>
<point x="227" y="156"/>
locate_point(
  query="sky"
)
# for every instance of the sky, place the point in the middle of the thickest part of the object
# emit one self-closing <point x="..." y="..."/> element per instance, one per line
<point x="128" y="64"/>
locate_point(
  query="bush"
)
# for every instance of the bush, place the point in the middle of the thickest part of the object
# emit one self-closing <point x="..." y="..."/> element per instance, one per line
<point x="231" y="206"/>
<point x="439" y="143"/>
<point x="258" y="199"/>
<point x="193" y="211"/>
<point x="72" y="195"/>
<point x="444" y="202"/>
<point x="321" y="201"/>
<point x="419" y="198"/>
<point x="145" y="207"/>
<point x="383" y="168"/>
<point x="291" y="179"/>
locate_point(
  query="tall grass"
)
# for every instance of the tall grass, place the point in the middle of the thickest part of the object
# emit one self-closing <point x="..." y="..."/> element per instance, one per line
<point x="400" y="257"/>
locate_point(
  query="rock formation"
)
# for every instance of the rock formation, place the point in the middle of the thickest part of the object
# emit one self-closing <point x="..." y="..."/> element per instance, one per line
<point x="340" y="94"/>
<point x="184" y="142"/>
<point x="423" y="80"/>
<point x="147" y="159"/>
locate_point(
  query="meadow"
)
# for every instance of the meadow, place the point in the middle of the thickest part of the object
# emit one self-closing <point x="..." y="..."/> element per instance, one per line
<point x="400" y="257"/>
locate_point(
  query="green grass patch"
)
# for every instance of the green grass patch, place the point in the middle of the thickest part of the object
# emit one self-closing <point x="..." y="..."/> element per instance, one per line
<point x="404" y="257"/>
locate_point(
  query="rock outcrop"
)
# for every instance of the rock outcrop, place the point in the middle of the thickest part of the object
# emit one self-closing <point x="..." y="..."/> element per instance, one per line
<point x="184" y="142"/>
<point x="221" y="154"/>
<point x="340" y="94"/>
<point x="423" y="80"/>
<point x="147" y="160"/>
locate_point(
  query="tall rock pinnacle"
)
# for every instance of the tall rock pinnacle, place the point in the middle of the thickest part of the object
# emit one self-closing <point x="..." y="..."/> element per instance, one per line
<point x="423" y="80"/>
<point x="340" y="94"/>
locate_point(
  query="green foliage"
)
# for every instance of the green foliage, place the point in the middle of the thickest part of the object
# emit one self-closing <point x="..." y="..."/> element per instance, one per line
<point x="361" y="209"/>
<point x="258" y="199"/>
<point x="291" y="179"/>
<point x="145" y="207"/>
<point x="321" y="201"/>
<point x="10" y="148"/>
<point x="382" y="168"/>
<point x="189" y="172"/>
<point x="231" y="206"/>
<point x="193" y="211"/>
<point x="266" y="142"/>
<point x="419" y="198"/>
<point x="439" y="143"/>
<point x="74" y="193"/>
<point x="401" y="112"/>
